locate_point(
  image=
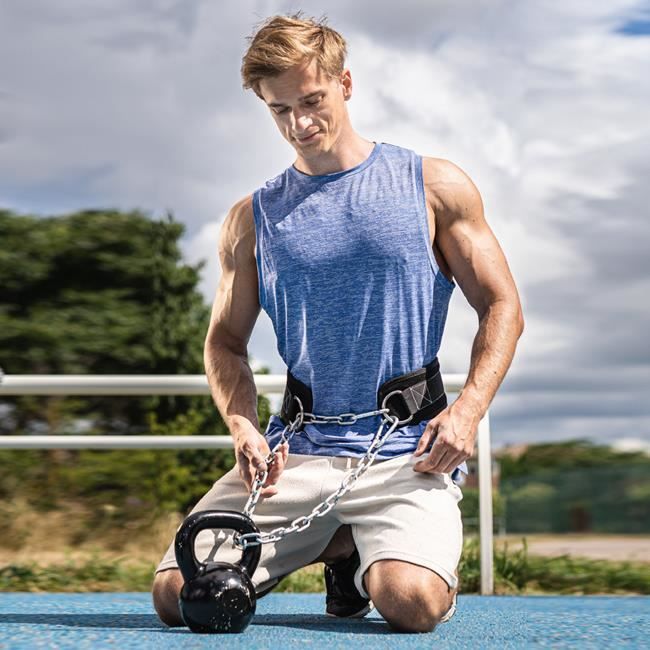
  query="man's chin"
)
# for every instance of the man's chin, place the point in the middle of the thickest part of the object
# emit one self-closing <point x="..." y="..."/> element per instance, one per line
<point x="309" y="152"/>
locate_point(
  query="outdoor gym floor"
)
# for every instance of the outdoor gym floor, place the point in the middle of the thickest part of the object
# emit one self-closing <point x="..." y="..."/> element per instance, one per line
<point x="287" y="621"/>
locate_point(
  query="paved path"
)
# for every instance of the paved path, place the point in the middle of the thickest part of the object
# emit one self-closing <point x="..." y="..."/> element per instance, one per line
<point x="620" y="548"/>
<point x="285" y="621"/>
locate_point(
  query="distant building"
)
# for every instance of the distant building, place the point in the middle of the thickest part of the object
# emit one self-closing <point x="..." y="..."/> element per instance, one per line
<point x="513" y="451"/>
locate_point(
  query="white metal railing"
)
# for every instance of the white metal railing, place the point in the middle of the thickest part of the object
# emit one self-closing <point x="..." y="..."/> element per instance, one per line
<point x="128" y="385"/>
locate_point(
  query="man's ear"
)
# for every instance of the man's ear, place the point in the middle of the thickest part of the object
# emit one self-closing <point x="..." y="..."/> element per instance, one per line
<point x="346" y="82"/>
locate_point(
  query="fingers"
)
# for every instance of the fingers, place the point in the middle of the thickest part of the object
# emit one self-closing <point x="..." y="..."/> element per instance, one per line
<point x="452" y="462"/>
<point x="257" y="460"/>
<point x="449" y="437"/>
<point x="250" y="460"/>
<point x="441" y="461"/>
<point x="445" y="454"/>
<point x="425" y="439"/>
<point x="245" y="473"/>
<point x="448" y="463"/>
<point x="435" y="458"/>
<point x="268" y="492"/>
<point x="251" y="456"/>
<point x="276" y="470"/>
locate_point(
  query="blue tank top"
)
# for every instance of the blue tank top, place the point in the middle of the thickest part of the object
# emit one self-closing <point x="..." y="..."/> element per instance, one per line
<point x="349" y="280"/>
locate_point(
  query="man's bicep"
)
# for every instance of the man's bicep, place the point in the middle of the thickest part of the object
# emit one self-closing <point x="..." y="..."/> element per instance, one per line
<point x="471" y="248"/>
<point x="236" y="305"/>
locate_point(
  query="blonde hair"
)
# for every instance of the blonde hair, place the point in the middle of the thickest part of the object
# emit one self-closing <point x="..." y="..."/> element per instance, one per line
<point x="284" y="41"/>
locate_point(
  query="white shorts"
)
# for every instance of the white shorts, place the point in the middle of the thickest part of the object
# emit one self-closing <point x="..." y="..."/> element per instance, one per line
<point x="394" y="512"/>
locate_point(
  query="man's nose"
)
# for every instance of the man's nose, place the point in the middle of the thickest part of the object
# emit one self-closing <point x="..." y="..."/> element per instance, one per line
<point x="300" y="122"/>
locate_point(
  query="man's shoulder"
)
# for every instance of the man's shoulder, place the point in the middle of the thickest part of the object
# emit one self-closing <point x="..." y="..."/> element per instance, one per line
<point x="241" y="216"/>
<point x="446" y="185"/>
<point x="239" y="224"/>
<point x="241" y="212"/>
<point x="439" y="171"/>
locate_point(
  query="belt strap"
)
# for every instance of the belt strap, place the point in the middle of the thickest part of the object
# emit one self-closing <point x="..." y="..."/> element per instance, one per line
<point x="420" y="393"/>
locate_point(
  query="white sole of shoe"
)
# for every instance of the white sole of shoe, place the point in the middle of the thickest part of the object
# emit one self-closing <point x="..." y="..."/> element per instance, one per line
<point x="450" y="612"/>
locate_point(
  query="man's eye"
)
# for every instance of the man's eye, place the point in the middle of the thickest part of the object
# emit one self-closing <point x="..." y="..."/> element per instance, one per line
<point x="286" y="108"/>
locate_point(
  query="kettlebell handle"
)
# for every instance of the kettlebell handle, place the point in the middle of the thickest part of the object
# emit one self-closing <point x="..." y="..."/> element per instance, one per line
<point x="214" y="519"/>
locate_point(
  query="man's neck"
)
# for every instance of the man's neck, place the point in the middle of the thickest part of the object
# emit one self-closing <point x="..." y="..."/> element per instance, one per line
<point x="347" y="152"/>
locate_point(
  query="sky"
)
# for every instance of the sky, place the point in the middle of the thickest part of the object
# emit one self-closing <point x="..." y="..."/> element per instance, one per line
<point x="543" y="104"/>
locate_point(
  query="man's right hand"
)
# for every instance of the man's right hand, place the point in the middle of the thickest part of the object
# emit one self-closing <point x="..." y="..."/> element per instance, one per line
<point x="251" y="450"/>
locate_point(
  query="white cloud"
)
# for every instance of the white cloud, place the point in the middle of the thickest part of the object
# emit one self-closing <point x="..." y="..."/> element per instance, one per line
<point x="543" y="104"/>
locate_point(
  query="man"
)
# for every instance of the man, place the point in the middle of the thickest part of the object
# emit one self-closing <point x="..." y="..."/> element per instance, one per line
<point x="351" y="251"/>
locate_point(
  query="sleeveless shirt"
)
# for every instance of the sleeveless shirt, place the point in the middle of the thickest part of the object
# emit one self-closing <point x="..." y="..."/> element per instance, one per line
<point x="348" y="278"/>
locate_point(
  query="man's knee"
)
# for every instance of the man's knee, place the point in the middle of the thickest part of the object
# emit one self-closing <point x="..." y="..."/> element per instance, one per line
<point x="165" y="591"/>
<point x="411" y="598"/>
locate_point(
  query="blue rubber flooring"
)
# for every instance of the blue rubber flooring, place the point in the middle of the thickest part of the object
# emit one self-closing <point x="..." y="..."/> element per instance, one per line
<point x="297" y="620"/>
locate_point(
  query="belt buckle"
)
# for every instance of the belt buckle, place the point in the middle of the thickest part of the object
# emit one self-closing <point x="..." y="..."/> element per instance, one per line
<point x="401" y="394"/>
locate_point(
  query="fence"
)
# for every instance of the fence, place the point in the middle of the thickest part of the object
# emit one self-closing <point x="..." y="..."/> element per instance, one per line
<point x="128" y="385"/>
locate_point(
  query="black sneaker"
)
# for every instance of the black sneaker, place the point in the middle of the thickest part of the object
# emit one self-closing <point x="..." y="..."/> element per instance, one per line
<point x="343" y="598"/>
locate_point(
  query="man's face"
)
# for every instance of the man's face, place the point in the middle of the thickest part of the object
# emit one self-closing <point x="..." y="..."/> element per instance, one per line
<point x="308" y="108"/>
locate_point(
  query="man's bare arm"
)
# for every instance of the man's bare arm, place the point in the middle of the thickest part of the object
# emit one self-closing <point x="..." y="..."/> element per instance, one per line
<point x="480" y="269"/>
<point x="234" y="313"/>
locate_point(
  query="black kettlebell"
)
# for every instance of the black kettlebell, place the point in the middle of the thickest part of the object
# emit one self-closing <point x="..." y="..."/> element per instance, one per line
<point x="217" y="596"/>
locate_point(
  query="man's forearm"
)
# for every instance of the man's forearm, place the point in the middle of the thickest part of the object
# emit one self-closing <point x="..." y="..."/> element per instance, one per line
<point x="492" y="353"/>
<point x="232" y="386"/>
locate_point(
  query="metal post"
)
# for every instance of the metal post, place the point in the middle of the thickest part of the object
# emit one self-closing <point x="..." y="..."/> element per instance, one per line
<point x="116" y="442"/>
<point x="485" y="506"/>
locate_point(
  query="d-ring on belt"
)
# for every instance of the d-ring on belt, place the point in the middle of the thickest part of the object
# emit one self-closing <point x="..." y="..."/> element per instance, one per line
<point x="409" y="398"/>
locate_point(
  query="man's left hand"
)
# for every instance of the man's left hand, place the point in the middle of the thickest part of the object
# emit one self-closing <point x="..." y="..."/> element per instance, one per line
<point x="454" y="430"/>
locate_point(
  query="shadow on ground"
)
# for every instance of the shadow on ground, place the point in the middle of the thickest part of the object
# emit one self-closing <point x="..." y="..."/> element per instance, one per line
<point x="113" y="621"/>
<point x="151" y="622"/>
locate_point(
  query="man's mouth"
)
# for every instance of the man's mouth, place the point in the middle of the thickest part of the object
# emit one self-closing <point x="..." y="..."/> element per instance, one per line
<point x="308" y="138"/>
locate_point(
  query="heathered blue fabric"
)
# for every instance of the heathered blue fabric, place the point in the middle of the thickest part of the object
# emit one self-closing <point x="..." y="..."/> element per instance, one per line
<point x="349" y="280"/>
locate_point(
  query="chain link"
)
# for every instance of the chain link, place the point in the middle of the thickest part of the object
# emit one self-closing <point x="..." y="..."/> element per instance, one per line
<point x="304" y="521"/>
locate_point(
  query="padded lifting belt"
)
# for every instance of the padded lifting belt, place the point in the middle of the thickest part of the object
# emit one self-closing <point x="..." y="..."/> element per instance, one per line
<point x="421" y="394"/>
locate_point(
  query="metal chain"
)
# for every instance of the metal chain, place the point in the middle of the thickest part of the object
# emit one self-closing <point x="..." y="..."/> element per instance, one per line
<point x="304" y="521"/>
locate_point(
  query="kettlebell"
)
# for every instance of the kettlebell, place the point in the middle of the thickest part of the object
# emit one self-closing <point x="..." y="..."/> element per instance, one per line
<point x="216" y="596"/>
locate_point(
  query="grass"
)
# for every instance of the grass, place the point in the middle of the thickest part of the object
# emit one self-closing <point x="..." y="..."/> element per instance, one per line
<point x="516" y="572"/>
<point x="95" y="574"/>
<point x="69" y="550"/>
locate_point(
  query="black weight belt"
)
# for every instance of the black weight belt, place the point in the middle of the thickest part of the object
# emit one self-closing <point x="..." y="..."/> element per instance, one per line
<point x="421" y="394"/>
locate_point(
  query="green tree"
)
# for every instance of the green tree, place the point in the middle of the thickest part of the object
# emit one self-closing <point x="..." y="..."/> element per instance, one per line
<point x="97" y="292"/>
<point x="104" y="292"/>
<point x="567" y="455"/>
